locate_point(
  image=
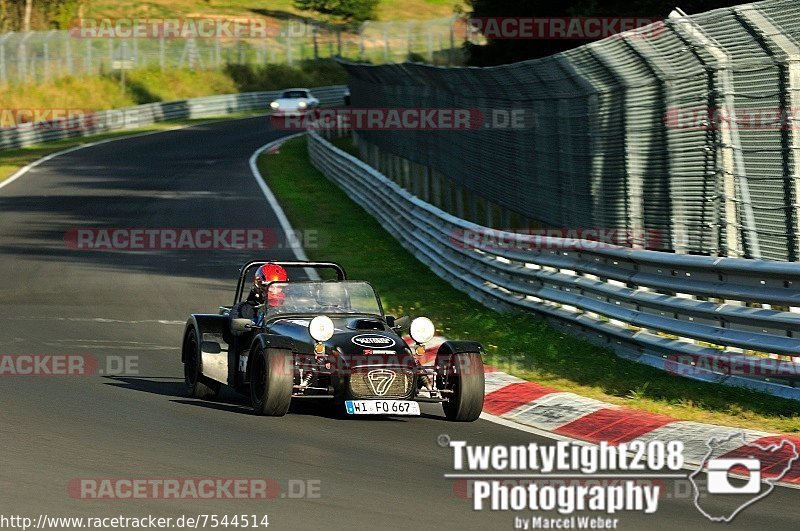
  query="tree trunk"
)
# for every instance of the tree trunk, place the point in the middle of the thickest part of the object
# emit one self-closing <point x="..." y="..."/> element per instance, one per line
<point x="26" y="22"/>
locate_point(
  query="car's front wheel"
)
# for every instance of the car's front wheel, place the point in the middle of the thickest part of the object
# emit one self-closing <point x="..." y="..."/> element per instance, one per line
<point x="197" y="385"/>
<point x="271" y="381"/>
<point x="461" y="377"/>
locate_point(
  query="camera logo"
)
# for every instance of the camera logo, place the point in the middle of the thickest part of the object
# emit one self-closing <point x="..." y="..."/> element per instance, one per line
<point x="719" y="479"/>
<point x="736" y="476"/>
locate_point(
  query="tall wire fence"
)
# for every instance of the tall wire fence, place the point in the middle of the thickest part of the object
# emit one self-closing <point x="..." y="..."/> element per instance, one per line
<point x="43" y="55"/>
<point x="687" y="128"/>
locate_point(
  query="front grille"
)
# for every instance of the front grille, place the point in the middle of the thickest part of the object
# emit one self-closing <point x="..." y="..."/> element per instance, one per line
<point x="381" y="382"/>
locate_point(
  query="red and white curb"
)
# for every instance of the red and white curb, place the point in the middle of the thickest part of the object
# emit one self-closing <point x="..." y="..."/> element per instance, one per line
<point x="567" y="415"/>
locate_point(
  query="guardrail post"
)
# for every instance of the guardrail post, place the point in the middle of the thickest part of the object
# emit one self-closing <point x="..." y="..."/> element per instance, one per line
<point x="459" y="204"/>
<point x="505" y="218"/>
<point x="472" y="201"/>
<point x="408" y="179"/>
<point x="376" y="157"/>
<point x="425" y="178"/>
<point x="386" y="167"/>
<point x="395" y="168"/>
<point x="436" y="187"/>
<point x="489" y="213"/>
<point x="447" y="193"/>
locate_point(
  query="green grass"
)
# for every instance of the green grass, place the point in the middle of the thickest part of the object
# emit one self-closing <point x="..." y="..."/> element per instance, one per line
<point x="387" y="9"/>
<point x="14" y="159"/>
<point x="517" y="343"/>
<point x="147" y="85"/>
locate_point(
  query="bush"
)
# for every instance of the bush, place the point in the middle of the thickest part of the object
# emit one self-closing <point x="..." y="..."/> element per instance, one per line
<point x="309" y="73"/>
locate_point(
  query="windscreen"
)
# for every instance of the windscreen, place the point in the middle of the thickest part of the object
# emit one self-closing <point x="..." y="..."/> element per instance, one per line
<point x="295" y="94"/>
<point x="348" y="297"/>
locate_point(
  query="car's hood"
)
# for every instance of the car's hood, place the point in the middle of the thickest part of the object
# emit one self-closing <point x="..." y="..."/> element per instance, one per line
<point x="359" y="346"/>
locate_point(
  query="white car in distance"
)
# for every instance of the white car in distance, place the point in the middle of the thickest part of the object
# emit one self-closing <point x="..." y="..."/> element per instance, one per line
<point x="294" y="101"/>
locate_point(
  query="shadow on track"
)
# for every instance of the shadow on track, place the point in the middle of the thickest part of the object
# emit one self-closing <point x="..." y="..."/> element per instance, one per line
<point x="155" y="385"/>
<point x="236" y="403"/>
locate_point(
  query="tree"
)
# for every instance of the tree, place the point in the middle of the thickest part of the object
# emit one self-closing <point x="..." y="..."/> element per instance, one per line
<point x="26" y="21"/>
<point x="341" y="11"/>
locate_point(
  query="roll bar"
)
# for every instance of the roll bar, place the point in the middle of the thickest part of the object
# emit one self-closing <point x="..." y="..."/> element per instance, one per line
<point x="245" y="269"/>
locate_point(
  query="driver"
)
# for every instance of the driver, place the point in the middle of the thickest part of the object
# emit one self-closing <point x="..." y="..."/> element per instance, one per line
<point x="262" y="292"/>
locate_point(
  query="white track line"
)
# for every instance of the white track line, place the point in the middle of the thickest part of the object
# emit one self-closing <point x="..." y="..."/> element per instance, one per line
<point x="22" y="171"/>
<point x="298" y="251"/>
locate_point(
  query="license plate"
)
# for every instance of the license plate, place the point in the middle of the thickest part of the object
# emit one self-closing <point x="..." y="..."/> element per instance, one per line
<point x="381" y="407"/>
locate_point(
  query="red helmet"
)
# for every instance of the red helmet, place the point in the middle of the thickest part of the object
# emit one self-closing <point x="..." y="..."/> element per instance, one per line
<point x="266" y="274"/>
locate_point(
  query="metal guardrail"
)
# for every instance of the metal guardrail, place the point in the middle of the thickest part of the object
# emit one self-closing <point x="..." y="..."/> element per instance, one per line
<point x="723" y="320"/>
<point x="150" y="113"/>
<point x="687" y="127"/>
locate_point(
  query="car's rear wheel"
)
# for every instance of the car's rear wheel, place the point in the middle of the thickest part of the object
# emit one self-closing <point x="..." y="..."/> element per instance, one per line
<point x="197" y="385"/>
<point x="271" y="381"/>
<point x="461" y="376"/>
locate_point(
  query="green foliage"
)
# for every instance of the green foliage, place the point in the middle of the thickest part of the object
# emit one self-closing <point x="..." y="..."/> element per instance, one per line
<point x="309" y="73"/>
<point x="46" y="14"/>
<point x="342" y="11"/>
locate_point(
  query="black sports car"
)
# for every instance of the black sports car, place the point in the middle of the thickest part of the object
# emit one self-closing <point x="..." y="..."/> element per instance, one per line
<point x="329" y="340"/>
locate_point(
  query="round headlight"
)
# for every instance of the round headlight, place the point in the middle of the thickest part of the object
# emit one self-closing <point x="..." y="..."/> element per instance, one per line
<point x="321" y="328"/>
<point x="274" y="104"/>
<point x="422" y="330"/>
<point x="302" y="105"/>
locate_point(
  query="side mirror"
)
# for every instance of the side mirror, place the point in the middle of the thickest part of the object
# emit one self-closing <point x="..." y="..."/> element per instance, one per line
<point x="241" y="325"/>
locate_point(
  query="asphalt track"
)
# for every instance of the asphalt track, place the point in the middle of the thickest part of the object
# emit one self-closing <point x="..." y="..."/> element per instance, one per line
<point x="381" y="473"/>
